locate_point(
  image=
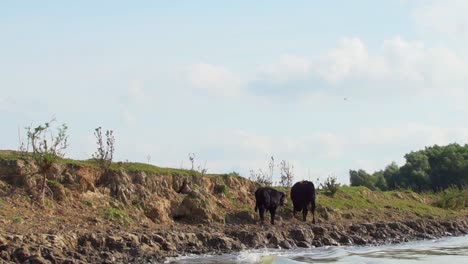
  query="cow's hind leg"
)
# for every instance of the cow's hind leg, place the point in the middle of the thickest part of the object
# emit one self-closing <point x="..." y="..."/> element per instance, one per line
<point x="261" y="212"/>
<point x="272" y="213"/>
<point x="312" y="207"/>
<point x="304" y="213"/>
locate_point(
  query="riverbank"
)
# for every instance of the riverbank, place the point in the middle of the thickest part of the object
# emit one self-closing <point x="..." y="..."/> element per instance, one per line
<point x="134" y="213"/>
<point x="116" y="245"/>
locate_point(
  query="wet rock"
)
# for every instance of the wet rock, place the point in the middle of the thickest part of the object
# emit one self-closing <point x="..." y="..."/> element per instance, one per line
<point x="329" y="241"/>
<point x="38" y="260"/>
<point x="115" y="243"/>
<point x="252" y="240"/>
<point x="358" y="229"/>
<point x="317" y="243"/>
<point x="303" y="244"/>
<point x="285" y="244"/>
<point x="358" y="240"/>
<point x="300" y="235"/>
<point x="318" y="230"/>
<point x="220" y="243"/>
<point x="345" y="240"/>
<point x="3" y="243"/>
<point x="21" y="254"/>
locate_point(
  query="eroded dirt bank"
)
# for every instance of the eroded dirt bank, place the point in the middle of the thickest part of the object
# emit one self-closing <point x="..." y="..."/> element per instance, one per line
<point x="142" y="246"/>
<point x="137" y="213"/>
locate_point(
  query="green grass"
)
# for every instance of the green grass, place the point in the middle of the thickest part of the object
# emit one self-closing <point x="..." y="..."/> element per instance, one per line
<point x="18" y="220"/>
<point x="452" y="198"/>
<point x="361" y="198"/>
<point x="53" y="183"/>
<point x="87" y="203"/>
<point x="116" y="215"/>
<point x="220" y="189"/>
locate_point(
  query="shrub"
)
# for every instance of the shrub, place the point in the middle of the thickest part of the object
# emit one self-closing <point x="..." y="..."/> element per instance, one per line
<point x="115" y="214"/>
<point x="46" y="149"/>
<point x="104" y="153"/>
<point x="261" y="177"/>
<point x="220" y="189"/>
<point x="330" y="186"/>
<point x="287" y="174"/>
<point x="452" y="198"/>
<point x="18" y="220"/>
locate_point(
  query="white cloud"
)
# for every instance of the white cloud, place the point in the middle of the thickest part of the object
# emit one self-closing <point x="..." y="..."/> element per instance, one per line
<point x="443" y="17"/>
<point x="286" y="68"/>
<point x="137" y="92"/>
<point x="412" y="135"/>
<point x="350" y="60"/>
<point x="398" y="64"/>
<point x="214" y="79"/>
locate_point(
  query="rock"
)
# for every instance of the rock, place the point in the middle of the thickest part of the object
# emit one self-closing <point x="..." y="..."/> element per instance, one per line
<point x="285" y="244"/>
<point x="345" y="240"/>
<point x="358" y="229"/>
<point x="300" y="235"/>
<point x="329" y="241"/>
<point x="21" y="254"/>
<point x="38" y="260"/>
<point x="303" y="244"/>
<point x="318" y="230"/>
<point x="221" y="243"/>
<point x="317" y="243"/>
<point x="242" y="217"/>
<point x="3" y="243"/>
<point x="158" y="210"/>
<point x="251" y="239"/>
<point x="358" y="240"/>
<point x="197" y="208"/>
<point x="115" y="243"/>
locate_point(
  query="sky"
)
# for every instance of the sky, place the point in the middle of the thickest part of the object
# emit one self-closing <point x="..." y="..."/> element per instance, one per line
<point x="328" y="86"/>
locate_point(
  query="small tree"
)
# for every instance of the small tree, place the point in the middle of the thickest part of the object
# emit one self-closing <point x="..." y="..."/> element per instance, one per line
<point x="191" y="157"/>
<point x="261" y="177"/>
<point x="286" y="174"/>
<point x="47" y="148"/>
<point x="331" y="185"/>
<point x="104" y="153"/>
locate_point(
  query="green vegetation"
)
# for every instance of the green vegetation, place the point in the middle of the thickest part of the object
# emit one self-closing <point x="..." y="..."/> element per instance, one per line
<point x="330" y="186"/>
<point x="87" y="203"/>
<point x="432" y="169"/>
<point x="53" y="184"/>
<point x="46" y="149"/>
<point x="18" y="220"/>
<point x="117" y="215"/>
<point x="220" y="189"/>
<point x="452" y="198"/>
<point x="361" y="198"/>
<point x="105" y="153"/>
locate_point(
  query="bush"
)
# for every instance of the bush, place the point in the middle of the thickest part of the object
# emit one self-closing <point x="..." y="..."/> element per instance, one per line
<point x="115" y="214"/>
<point x="452" y="198"/>
<point x="220" y="189"/>
<point x="46" y="149"/>
<point x="330" y="186"/>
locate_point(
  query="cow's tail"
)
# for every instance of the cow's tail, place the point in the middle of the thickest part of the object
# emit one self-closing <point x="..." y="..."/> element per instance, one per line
<point x="256" y="208"/>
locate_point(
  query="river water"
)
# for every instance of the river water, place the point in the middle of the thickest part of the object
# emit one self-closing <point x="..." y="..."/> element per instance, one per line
<point x="451" y="250"/>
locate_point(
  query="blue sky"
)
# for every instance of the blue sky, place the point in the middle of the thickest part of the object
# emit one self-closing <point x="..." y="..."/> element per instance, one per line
<point x="236" y="82"/>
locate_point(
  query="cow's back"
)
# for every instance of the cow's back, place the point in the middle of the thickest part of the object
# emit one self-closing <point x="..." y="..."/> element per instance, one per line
<point x="302" y="193"/>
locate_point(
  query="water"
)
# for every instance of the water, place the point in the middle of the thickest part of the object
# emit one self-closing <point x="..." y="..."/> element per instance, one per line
<point x="449" y="250"/>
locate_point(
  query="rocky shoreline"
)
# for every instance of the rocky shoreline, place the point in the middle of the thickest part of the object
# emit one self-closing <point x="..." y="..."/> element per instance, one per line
<point x="154" y="246"/>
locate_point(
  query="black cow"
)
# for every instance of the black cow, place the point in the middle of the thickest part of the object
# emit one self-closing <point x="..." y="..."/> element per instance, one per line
<point x="268" y="199"/>
<point x="303" y="194"/>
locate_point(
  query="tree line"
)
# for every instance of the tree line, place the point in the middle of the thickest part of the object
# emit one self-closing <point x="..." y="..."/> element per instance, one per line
<point x="431" y="169"/>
